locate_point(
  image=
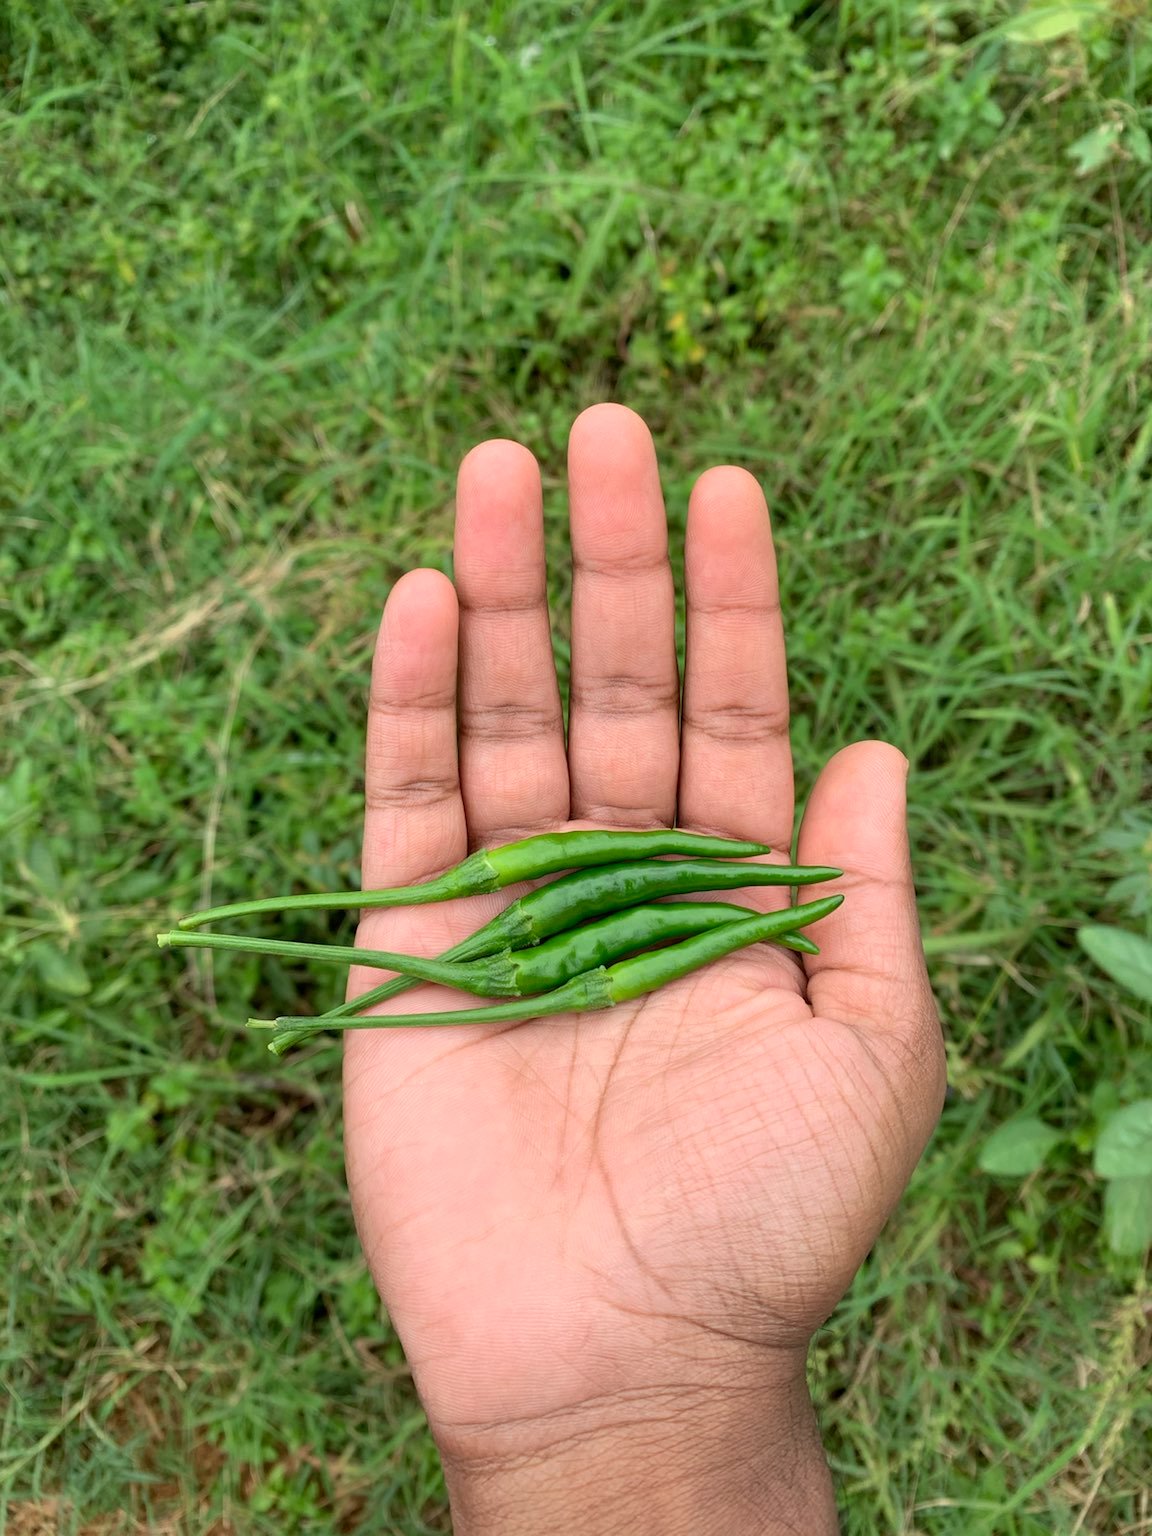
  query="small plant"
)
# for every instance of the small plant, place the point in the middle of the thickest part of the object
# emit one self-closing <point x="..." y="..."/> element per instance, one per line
<point x="1122" y="1149"/>
<point x="1125" y="956"/>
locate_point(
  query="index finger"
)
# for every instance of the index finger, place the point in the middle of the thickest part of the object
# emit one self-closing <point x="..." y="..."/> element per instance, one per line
<point x="413" y="812"/>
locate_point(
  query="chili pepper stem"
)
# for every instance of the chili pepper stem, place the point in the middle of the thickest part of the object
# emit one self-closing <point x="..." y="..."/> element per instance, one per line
<point x="472" y="878"/>
<point x="586" y="993"/>
<point x="493" y="977"/>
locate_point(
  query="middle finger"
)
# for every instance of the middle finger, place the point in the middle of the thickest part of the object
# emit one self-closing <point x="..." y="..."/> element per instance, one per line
<point x="624" y="706"/>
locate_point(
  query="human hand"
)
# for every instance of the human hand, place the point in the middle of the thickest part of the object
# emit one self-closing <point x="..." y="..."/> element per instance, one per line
<point x="606" y="1240"/>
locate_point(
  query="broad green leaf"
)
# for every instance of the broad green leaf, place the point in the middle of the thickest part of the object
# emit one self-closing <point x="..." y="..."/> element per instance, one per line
<point x="1124" y="1148"/>
<point x="40" y="863"/>
<point x="1128" y="1215"/>
<point x="60" y="971"/>
<point x="1018" y="1147"/>
<point x="1036" y="1033"/>
<point x="1095" y="148"/>
<point x="1046" y="23"/>
<point x="1138" y="144"/>
<point x="1125" y="956"/>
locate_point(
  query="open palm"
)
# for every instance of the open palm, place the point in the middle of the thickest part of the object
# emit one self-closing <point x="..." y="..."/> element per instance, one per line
<point x="556" y="1211"/>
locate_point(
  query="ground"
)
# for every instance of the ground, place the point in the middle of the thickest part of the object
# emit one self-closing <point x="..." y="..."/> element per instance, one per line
<point x="266" y="272"/>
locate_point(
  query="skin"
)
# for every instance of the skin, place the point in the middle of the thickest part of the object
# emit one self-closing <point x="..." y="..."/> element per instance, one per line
<point x="607" y="1240"/>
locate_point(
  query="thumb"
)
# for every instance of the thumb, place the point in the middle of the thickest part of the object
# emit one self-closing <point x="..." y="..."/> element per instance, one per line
<point x="871" y="970"/>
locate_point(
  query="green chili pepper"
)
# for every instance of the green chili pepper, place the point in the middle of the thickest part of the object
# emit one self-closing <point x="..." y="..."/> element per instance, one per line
<point x="590" y="893"/>
<point x="491" y="869"/>
<point x="595" y="989"/>
<point x="609" y="938"/>
<point x="515" y="973"/>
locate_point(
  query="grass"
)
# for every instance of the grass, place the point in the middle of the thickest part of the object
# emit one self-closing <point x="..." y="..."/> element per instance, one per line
<point x="265" y="273"/>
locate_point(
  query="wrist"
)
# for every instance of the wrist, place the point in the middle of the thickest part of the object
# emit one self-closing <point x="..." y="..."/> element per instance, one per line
<point x="739" y="1457"/>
